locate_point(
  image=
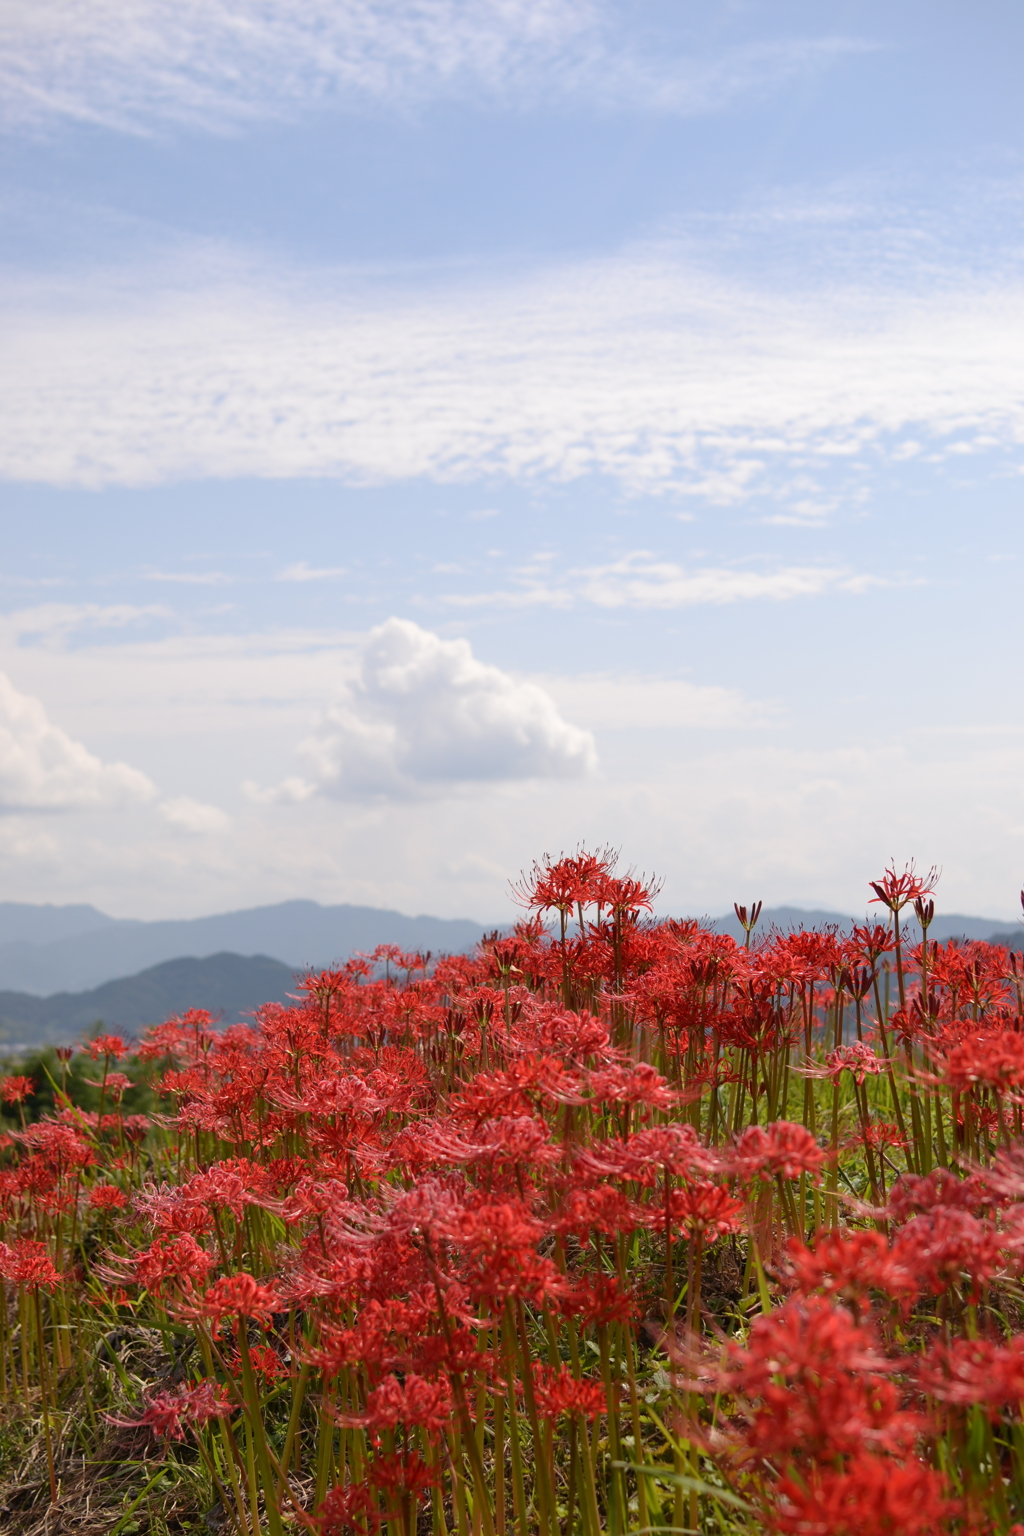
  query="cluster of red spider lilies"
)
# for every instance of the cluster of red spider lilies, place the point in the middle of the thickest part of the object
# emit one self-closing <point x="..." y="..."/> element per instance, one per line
<point x="614" y="1226"/>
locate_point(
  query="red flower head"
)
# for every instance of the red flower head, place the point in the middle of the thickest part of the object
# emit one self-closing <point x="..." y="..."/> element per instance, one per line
<point x="14" y="1089"/>
<point x="165" y="1411"/>
<point x="975" y="1371"/>
<point x="179" y="1259"/>
<point x="872" y="1496"/>
<point x="848" y="1264"/>
<point x="414" y="1402"/>
<point x="349" y="1507"/>
<point x="819" y="1382"/>
<point x="239" y="1295"/>
<point x="895" y="891"/>
<point x="105" y="1045"/>
<point x="858" y="1059"/>
<point x="107" y="1197"/>
<point x="991" y="1058"/>
<point x="567" y="883"/>
<point x="705" y="1209"/>
<point x="558" y="1392"/>
<point x="780" y="1148"/>
<point x="26" y="1262"/>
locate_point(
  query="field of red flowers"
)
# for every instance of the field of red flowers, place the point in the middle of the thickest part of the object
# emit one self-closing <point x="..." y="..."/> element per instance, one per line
<point x="614" y="1226"/>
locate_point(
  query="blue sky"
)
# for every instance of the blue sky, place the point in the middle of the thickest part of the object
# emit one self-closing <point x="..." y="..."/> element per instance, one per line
<point x="435" y="433"/>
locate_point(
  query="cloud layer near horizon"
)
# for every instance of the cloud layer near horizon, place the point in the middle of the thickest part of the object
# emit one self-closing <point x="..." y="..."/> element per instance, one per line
<point x="643" y="368"/>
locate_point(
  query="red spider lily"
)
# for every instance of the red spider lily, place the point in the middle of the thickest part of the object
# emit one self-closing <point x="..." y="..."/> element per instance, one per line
<point x="168" y="1412"/>
<point x="59" y="1148"/>
<point x="820" y="1381"/>
<point x="597" y="1300"/>
<point x="600" y="1208"/>
<point x="559" y="1391"/>
<point x="451" y="1172"/>
<point x="566" y="883"/>
<point x="705" y="1210"/>
<point x="490" y="1094"/>
<point x="966" y="1371"/>
<point x="349" y="1507"/>
<point x="26" y="1262"/>
<point x="872" y="941"/>
<point x="413" y="1403"/>
<point x="756" y="1024"/>
<point x="111" y="1046"/>
<point x="848" y="1264"/>
<point x="107" y="1197"/>
<point x="178" y="1259"/>
<point x="266" y="1363"/>
<point x="115" y="1083"/>
<point x="520" y="1141"/>
<point x="13" y="1090"/>
<point x="402" y="1473"/>
<point x="782" y="1148"/>
<point x="499" y="1257"/>
<point x="648" y="1155"/>
<point x="878" y="1134"/>
<point x="914" y="1193"/>
<point x="239" y="1295"/>
<point x="896" y="890"/>
<point x="992" y="1058"/>
<point x="639" y="1084"/>
<point x="943" y="1245"/>
<point x="858" y="1059"/>
<point x="871" y="1496"/>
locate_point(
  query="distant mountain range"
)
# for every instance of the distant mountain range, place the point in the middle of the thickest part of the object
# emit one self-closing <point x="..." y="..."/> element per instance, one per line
<point x="953" y="925"/>
<point x="49" y="949"/>
<point x="231" y="986"/>
<point x="48" y="944"/>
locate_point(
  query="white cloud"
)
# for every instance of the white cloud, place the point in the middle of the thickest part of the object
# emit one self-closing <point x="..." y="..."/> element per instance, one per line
<point x="639" y="580"/>
<point x="129" y="63"/>
<point x="642" y="580"/>
<point x="645" y="368"/>
<point x="191" y="578"/>
<point x="728" y="821"/>
<point x="300" y="571"/>
<point x="193" y="816"/>
<point x="790" y="809"/>
<point x="629" y="701"/>
<point x="44" y="769"/>
<point x="423" y="713"/>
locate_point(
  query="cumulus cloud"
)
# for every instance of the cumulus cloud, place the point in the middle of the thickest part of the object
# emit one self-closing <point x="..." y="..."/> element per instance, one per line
<point x="212" y="63"/>
<point x="647" y="368"/>
<point x="424" y="713"/>
<point x="44" y="769"/>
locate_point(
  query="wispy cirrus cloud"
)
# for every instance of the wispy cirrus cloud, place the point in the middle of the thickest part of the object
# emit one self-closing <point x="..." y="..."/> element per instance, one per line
<point x="641" y="579"/>
<point x="647" y="368"/>
<point x="135" y="64"/>
<point x="301" y="571"/>
<point x="191" y="578"/>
